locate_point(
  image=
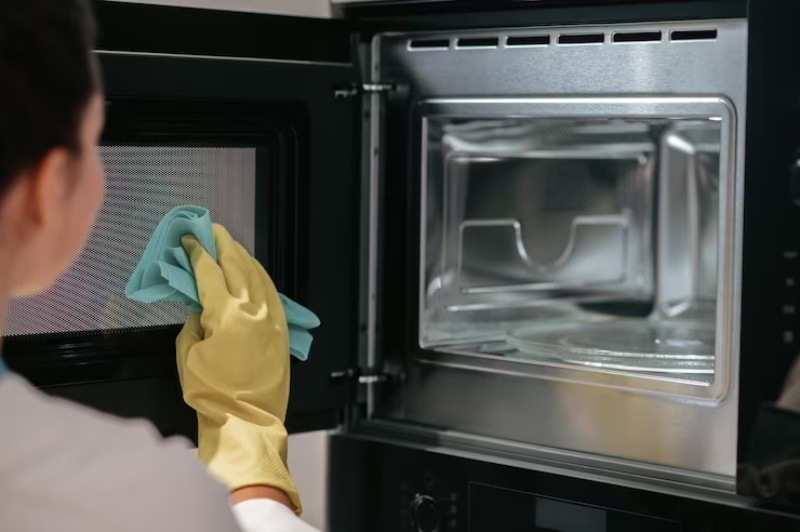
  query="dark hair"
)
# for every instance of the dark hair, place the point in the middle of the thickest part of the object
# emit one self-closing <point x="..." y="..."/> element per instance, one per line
<point x="47" y="76"/>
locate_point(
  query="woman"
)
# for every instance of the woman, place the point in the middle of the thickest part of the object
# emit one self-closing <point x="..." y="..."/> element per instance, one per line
<point x="67" y="468"/>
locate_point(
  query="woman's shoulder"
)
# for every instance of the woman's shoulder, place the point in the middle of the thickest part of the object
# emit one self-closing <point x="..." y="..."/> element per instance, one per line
<point x="38" y="419"/>
<point x="89" y="463"/>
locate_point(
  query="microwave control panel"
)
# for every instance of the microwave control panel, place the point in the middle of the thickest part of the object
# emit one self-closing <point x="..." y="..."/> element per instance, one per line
<point x="397" y="489"/>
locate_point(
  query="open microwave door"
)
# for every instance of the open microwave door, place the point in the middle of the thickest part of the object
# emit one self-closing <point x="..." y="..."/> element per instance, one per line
<point x="236" y="112"/>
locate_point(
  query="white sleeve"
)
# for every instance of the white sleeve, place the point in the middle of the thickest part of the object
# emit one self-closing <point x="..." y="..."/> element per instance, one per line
<point x="68" y="468"/>
<point x="265" y="515"/>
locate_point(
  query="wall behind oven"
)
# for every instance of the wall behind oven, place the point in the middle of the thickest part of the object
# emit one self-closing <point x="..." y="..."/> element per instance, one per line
<point x="304" y="8"/>
<point x="308" y="463"/>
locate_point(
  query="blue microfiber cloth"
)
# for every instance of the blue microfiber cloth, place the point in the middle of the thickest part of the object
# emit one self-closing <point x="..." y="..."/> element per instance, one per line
<point x="164" y="273"/>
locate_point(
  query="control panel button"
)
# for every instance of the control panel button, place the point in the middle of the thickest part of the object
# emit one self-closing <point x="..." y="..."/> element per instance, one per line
<point x="425" y="514"/>
<point x="794" y="182"/>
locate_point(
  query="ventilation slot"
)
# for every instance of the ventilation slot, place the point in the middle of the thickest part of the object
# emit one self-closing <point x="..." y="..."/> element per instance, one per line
<point x="429" y="44"/>
<point x="641" y="36"/>
<point x="528" y="40"/>
<point x="583" y="38"/>
<point x="477" y="42"/>
<point x="694" y="35"/>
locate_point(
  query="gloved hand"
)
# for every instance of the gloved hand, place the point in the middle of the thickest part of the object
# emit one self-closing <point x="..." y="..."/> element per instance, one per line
<point x="233" y="362"/>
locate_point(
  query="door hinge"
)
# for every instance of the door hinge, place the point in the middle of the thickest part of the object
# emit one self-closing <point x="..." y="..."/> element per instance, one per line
<point x="358" y="89"/>
<point x="368" y="376"/>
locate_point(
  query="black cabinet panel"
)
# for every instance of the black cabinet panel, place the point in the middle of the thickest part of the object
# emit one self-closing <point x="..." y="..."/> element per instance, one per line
<point x="377" y="486"/>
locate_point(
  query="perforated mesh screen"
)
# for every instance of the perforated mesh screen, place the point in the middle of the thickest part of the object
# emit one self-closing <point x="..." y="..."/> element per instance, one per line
<point x="142" y="184"/>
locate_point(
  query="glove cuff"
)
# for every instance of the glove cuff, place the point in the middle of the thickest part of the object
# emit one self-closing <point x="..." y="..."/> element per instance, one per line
<point x="241" y="453"/>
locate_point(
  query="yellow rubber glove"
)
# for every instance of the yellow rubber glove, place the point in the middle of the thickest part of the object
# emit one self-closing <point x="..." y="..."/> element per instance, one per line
<point x="233" y="362"/>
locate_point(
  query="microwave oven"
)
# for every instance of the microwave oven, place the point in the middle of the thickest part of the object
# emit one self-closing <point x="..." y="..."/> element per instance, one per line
<point x="553" y="246"/>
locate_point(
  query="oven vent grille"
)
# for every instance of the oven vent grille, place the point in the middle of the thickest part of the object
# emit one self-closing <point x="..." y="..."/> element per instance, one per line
<point x="560" y="38"/>
<point x="637" y="36"/>
<point x="527" y="40"/>
<point x="477" y="42"/>
<point x="582" y="38"/>
<point x="694" y="35"/>
<point x="429" y="44"/>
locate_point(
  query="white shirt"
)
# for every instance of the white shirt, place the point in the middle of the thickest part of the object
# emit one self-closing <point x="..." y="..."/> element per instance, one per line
<point x="67" y="468"/>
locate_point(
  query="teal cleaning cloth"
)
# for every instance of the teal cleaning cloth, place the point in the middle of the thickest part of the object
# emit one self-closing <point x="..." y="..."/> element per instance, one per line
<point x="164" y="273"/>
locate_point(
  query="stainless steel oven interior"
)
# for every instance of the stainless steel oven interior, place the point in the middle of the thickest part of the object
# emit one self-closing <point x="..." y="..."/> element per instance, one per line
<point x="579" y="241"/>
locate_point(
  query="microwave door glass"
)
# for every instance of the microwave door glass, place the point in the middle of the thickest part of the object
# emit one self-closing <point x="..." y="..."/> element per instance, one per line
<point x="585" y="242"/>
<point x="142" y="184"/>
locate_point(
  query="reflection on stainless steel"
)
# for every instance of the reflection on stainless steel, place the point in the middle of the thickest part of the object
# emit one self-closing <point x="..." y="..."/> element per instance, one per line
<point x="556" y="211"/>
<point x="477" y="237"/>
<point x="474" y="328"/>
<point x="688" y="367"/>
<point x="771" y="466"/>
<point x="521" y="145"/>
<point x="688" y="220"/>
<point x="533" y="212"/>
<point x="668" y="340"/>
<point x="672" y="347"/>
